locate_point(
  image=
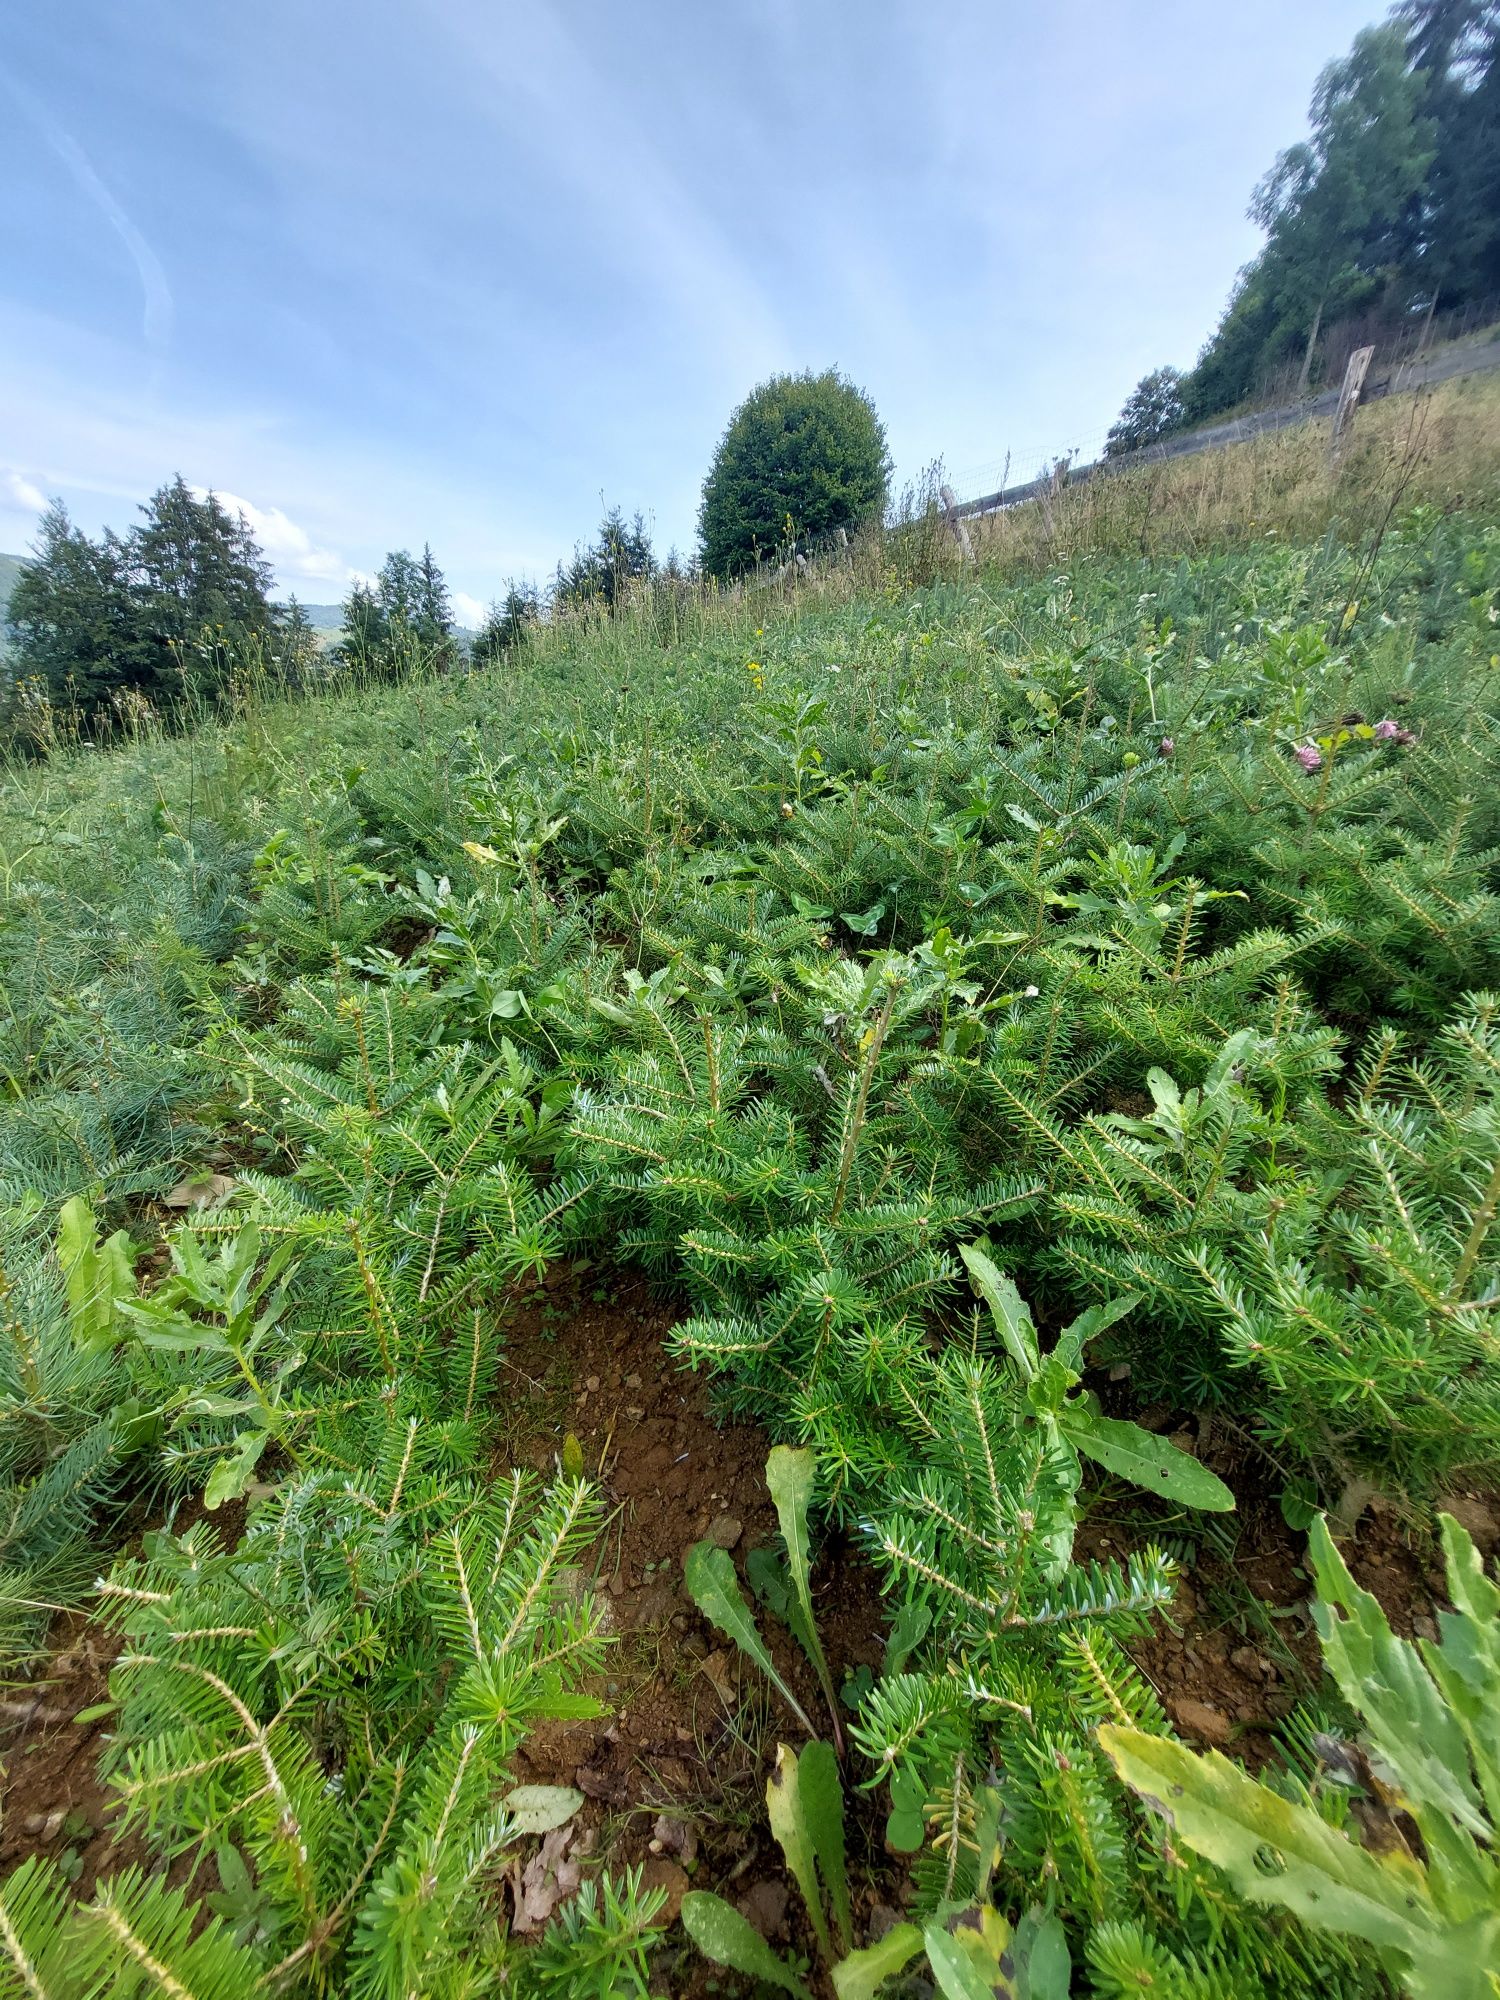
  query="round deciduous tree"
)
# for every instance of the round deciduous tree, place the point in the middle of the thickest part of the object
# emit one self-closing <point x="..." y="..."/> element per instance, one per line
<point x="803" y="455"/>
<point x="1153" y="410"/>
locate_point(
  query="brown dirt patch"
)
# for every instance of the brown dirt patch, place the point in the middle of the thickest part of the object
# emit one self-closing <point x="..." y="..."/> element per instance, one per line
<point x="52" y="1800"/>
<point x="1239" y="1649"/>
<point x="674" y="1774"/>
<point x="54" y="1803"/>
<point x="693" y="1729"/>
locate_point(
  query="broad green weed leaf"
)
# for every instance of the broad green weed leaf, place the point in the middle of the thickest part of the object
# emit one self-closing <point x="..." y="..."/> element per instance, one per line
<point x="1011" y="1312"/>
<point x="1146" y="1460"/>
<point x="1042" y="1956"/>
<point x="787" y="1811"/>
<point x="1088" y="1326"/>
<point x="715" y="1589"/>
<point x="861" y="1975"/>
<point x="822" y="1799"/>
<point x="235" y="1470"/>
<point x="95" y="1274"/>
<point x="966" y="1953"/>
<point x="789" y="1479"/>
<point x="1409" y="1724"/>
<point x="1272" y="1850"/>
<point x="723" y="1935"/>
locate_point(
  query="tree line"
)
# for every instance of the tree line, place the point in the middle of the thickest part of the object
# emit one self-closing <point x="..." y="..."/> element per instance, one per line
<point x="167" y="614"/>
<point x="1387" y="212"/>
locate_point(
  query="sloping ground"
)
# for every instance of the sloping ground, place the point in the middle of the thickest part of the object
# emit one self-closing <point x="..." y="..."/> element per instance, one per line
<point x="1134" y="917"/>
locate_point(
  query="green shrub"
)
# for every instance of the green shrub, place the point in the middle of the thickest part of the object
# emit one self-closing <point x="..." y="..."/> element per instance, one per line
<point x="803" y="455"/>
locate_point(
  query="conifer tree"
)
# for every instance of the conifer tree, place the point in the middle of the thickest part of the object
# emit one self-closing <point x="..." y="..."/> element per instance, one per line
<point x="199" y="585"/>
<point x="70" y="611"/>
<point x="365" y="630"/>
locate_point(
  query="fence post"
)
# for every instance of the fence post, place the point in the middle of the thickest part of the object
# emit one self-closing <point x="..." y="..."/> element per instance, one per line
<point x="1354" y="381"/>
<point x="956" y="522"/>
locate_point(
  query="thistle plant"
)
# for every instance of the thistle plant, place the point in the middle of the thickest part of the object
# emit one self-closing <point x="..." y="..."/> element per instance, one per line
<point x="1425" y="1755"/>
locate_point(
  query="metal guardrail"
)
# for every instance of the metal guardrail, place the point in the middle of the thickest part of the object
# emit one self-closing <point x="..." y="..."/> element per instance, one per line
<point x="1397" y="379"/>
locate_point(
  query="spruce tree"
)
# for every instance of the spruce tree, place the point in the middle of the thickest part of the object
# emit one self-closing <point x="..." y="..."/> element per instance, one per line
<point x="199" y="586"/>
<point x="70" y="613"/>
<point x="509" y="624"/>
<point x="365" y="630"/>
<point x="296" y="644"/>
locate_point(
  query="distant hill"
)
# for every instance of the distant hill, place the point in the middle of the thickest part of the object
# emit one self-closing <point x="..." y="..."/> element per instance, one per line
<point x="325" y="617"/>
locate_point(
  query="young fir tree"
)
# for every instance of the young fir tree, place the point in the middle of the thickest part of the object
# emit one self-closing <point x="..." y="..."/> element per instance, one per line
<point x="362" y="640"/>
<point x="509" y="624"/>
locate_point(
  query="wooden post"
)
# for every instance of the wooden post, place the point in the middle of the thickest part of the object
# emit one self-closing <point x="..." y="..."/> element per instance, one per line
<point x="956" y="522"/>
<point x="1354" y="381"/>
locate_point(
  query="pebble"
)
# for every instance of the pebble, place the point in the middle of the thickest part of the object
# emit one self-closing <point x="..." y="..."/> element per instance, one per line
<point x="1478" y="1520"/>
<point x="661" y="1873"/>
<point x="726" y="1531"/>
<point x="1209" y="1725"/>
<point x="764" y="1907"/>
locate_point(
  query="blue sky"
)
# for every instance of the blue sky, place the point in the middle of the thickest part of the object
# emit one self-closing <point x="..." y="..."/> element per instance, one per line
<point x="450" y="272"/>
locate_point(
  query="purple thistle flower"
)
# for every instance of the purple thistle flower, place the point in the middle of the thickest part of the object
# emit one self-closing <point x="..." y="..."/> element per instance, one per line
<point x="1310" y="757"/>
<point x="1387" y="731"/>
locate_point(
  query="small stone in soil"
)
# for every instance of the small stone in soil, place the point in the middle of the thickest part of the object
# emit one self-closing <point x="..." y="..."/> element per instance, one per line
<point x="1247" y="1661"/>
<point x="763" y="1906"/>
<point x="1209" y="1725"/>
<point x="718" y="1669"/>
<point x="726" y="1531"/>
<point x="1477" y="1520"/>
<point x="660" y="1873"/>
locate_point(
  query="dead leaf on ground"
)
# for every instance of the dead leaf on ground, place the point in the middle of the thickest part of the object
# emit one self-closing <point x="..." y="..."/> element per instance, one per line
<point x="547" y="1879"/>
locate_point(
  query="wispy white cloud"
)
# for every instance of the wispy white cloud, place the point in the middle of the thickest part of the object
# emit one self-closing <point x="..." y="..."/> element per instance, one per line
<point x="157" y="305"/>
<point x="23" y="492"/>
<point x="468" y="611"/>
<point x="293" y="553"/>
<point x="648" y="225"/>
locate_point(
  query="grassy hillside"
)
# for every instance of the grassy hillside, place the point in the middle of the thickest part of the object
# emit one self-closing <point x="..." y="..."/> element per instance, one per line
<point x="782" y="986"/>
